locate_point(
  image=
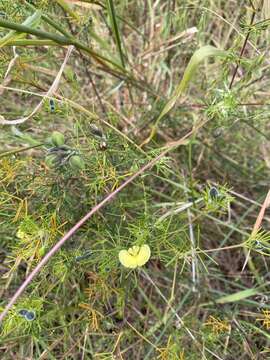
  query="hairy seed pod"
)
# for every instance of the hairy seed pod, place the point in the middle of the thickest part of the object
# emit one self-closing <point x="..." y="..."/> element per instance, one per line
<point x="96" y="131"/>
<point x="76" y="162"/>
<point x="50" y="160"/>
<point x="57" y="138"/>
<point x="42" y="251"/>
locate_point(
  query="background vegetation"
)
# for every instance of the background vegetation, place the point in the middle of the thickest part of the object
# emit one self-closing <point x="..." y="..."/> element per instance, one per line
<point x="108" y="76"/>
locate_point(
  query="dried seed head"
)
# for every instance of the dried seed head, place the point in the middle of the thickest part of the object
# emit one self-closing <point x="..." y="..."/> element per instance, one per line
<point x="213" y="192"/>
<point x="52" y="105"/>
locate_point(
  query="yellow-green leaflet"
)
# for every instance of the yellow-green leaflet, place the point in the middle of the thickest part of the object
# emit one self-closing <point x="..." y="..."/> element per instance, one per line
<point x="32" y="20"/>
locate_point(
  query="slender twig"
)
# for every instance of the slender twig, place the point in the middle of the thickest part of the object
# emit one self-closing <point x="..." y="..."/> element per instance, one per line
<point x="257" y="224"/>
<point x="243" y="48"/>
<point x="16" y="151"/>
<point x="12" y="62"/>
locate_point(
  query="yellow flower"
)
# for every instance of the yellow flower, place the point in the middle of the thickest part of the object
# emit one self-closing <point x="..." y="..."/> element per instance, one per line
<point x="22" y="235"/>
<point x="135" y="256"/>
<point x="265" y="319"/>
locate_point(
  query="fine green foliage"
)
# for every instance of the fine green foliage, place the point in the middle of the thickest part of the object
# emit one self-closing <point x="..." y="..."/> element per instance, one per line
<point x="175" y="266"/>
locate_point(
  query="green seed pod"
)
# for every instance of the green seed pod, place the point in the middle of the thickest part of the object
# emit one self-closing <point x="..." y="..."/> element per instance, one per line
<point x="50" y="160"/>
<point x="57" y="138"/>
<point x="42" y="251"/>
<point x="76" y="162"/>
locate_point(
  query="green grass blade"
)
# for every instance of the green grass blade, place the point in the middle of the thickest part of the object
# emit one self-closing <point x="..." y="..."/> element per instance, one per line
<point x="240" y="295"/>
<point x="68" y="9"/>
<point x="199" y="56"/>
<point x="62" y="40"/>
<point x="31" y="21"/>
<point x="258" y="330"/>
<point x="29" y="30"/>
<point x="115" y="30"/>
<point x="31" y="42"/>
<point x="25" y="137"/>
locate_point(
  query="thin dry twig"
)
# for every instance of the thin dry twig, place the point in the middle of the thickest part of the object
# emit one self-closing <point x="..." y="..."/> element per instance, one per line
<point x="258" y="223"/>
<point x="12" y="61"/>
<point x="260" y="217"/>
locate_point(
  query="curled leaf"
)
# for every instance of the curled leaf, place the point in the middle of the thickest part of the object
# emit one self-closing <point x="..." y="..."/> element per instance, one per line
<point x="199" y="55"/>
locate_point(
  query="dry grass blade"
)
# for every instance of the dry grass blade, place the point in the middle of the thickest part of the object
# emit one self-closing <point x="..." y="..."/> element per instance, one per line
<point x="12" y="62"/>
<point x="49" y="93"/>
<point x="257" y="224"/>
<point x="260" y="217"/>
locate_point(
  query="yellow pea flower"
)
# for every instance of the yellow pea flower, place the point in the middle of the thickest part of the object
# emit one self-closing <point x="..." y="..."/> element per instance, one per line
<point x="135" y="256"/>
<point x="22" y="235"/>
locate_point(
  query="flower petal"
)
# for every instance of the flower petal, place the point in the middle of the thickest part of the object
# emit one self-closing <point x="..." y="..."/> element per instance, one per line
<point x="144" y="255"/>
<point x="134" y="250"/>
<point x="127" y="260"/>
